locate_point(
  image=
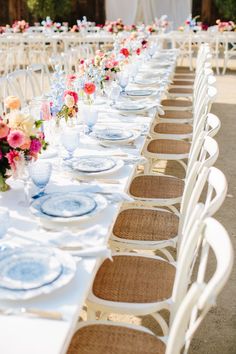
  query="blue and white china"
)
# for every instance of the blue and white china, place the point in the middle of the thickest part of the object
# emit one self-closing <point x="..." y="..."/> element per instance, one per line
<point x="92" y="164"/>
<point x="113" y="134"/>
<point x="36" y="207"/>
<point x="68" y="205"/>
<point x="32" y="271"/>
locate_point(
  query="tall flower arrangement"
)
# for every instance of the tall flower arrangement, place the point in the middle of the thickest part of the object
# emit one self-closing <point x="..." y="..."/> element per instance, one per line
<point x="21" y="140"/>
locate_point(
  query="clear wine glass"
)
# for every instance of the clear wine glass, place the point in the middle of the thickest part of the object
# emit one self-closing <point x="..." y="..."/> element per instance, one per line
<point x="89" y="116"/>
<point x="114" y="92"/>
<point x="40" y="173"/>
<point x="70" y="141"/>
<point x="123" y="79"/>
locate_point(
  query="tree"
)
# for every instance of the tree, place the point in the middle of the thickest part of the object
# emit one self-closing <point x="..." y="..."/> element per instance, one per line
<point x="52" y="8"/>
<point x="227" y="9"/>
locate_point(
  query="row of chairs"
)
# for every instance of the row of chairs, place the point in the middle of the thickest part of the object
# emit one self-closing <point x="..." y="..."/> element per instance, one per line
<point x="25" y="84"/>
<point x="142" y="284"/>
<point x="223" y="47"/>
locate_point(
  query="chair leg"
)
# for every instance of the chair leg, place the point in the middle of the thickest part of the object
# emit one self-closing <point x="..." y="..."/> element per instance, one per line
<point x="91" y="314"/>
<point x="160" y="320"/>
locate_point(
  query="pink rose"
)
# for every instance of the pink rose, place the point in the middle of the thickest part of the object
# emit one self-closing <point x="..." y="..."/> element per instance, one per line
<point x="35" y="146"/>
<point x="4" y="130"/>
<point x="15" y="138"/>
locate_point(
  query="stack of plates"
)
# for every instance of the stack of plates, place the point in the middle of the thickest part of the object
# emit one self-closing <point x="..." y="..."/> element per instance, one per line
<point x="131" y="106"/>
<point x="139" y="93"/>
<point x="116" y="135"/>
<point x="28" y="272"/>
<point x="68" y="206"/>
<point x="97" y="165"/>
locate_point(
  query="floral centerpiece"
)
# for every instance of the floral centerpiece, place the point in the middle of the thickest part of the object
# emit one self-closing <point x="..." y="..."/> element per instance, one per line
<point x="225" y="26"/>
<point x="114" y="26"/>
<point x="69" y="108"/>
<point x="2" y="29"/>
<point x="20" y="26"/>
<point x="20" y="140"/>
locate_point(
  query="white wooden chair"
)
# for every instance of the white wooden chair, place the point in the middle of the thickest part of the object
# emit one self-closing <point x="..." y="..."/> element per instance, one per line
<point x="229" y="49"/>
<point x="140" y="284"/>
<point x="139" y="228"/>
<point x="114" y="337"/>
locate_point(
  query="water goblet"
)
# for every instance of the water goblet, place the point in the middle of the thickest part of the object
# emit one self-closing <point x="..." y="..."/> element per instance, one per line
<point x="123" y="79"/>
<point x="40" y="173"/>
<point x="90" y="116"/>
<point x="4" y="221"/>
<point x="70" y="141"/>
<point x="114" y="93"/>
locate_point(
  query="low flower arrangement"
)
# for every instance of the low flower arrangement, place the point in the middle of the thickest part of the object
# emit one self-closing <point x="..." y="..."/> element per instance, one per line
<point x="114" y="26"/>
<point x="70" y="107"/>
<point x="20" y="140"/>
<point x="224" y="26"/>
<point x="20" y="26"/>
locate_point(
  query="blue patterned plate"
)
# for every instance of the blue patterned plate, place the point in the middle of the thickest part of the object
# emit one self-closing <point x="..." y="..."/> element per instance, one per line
<point x="26" y="270"/>
<point x="30" y="271"/>
<point x="129" y="106"/>
<point x="113" y="134"/>
<point x="91" y="164"/>
<point x="139" y="92"/>
<point x="68" y="205"/>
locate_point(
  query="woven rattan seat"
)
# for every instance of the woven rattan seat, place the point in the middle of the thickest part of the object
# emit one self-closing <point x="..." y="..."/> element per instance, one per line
<point x="156" y="187"/>
<point x="181" y="90"/>
<point x="181" y="83"/>
<point x="188" y="77"/>
<point x="107" y="339"/>
<point x="168" y="146"/>
<point x="177" y="115"/>
<point x="146" y="225"/>
<point x="183" y="69"/>
<point x="176" y="103"/>
<point x="173" y="128"/>
<point x="134" y="279"/>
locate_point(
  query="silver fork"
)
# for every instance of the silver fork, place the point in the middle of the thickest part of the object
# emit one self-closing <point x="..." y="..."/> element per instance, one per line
<point x="32" y="312"/>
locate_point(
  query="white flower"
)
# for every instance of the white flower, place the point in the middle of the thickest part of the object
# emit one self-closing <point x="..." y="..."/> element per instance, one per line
<point x="69" y="101"/>
<point x="24" y="122"/>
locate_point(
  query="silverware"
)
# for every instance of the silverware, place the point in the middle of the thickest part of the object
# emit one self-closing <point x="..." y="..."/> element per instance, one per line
<point x="108" y="181"/>
<point x="32" y="312"/>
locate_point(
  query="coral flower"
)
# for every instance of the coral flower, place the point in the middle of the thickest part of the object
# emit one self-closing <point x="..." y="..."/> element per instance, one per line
<point x="26" y="144"/>
<point x="89" y="88"/>
<point x="12" y="102"/>
<point x="16" y="138"/>
<point x="125" y="52"/>
<point x="4" y="130"/>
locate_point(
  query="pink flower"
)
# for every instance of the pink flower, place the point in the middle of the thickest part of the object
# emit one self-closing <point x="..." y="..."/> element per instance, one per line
<point x="1" y="154"/>
<point x="71" y="93"/>
<point x="35" y="146"/>
<point x="89" y="88"/>
<point x="15" y="138"/>
<point x="4" y="130"/>
<point x="12" y="157"/>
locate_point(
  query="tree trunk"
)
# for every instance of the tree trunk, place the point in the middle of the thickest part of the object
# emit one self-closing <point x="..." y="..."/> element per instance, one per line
<point x="206" y="10"/>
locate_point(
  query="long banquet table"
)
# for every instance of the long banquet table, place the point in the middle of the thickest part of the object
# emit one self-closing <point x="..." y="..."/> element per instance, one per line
<point x="26" y="335"/>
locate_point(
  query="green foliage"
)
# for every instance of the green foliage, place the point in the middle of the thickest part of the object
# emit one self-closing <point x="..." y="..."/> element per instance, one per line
<point x="52" y="8"/>
<point x="227" y="9"/>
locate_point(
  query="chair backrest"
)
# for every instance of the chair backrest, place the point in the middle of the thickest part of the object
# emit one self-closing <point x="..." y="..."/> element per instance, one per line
<point x="216" y="184"/>
<point x="40" y="78"/>
<point x="202" y="294"/>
